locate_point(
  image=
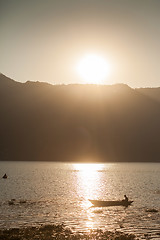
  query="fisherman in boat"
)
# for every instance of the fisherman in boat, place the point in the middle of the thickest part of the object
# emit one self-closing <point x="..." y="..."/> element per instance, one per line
<point x="4" y="176"/>
<point x="125" y="198"/>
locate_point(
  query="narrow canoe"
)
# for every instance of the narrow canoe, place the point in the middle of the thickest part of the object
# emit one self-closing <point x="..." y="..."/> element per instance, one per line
<point x="99" y="203"/>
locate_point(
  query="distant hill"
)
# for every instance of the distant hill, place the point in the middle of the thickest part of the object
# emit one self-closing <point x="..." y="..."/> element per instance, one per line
<point x="44" y="122"/>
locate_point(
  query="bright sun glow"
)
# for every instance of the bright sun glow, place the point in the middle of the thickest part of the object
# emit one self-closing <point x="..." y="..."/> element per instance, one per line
<point x="93" y="69"/>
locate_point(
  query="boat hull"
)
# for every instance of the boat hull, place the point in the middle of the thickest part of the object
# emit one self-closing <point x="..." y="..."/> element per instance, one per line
<point x="98" y="203"/>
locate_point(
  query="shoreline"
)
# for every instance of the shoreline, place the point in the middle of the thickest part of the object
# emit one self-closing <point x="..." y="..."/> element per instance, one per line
<point x="60" y="232"/>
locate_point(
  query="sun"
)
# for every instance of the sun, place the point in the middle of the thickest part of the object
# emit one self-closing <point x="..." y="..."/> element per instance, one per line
<point x="93" y="69"/>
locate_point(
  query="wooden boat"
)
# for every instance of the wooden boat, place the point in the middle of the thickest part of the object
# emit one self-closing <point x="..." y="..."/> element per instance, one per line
<point x="99" y="203"/>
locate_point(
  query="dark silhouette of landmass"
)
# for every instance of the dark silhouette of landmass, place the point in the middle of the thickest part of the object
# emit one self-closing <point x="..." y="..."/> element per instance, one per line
<point x="40" y="121"/>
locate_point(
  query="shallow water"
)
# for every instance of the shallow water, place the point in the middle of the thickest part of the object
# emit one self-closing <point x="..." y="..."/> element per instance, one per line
<point x="43" y="192"/>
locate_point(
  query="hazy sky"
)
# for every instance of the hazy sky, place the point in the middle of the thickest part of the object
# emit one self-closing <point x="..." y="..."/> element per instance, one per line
<point x="42" y="40"/>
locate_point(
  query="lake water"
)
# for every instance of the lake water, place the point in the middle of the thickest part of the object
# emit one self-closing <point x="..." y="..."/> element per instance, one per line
<point x="44" y="192"/>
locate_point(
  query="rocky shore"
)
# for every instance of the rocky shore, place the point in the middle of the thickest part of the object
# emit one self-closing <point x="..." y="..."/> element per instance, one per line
<point x="60" y="232"/>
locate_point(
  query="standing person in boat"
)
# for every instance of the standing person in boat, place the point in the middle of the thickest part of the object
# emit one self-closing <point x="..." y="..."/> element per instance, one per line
<point x="125" y="198"/>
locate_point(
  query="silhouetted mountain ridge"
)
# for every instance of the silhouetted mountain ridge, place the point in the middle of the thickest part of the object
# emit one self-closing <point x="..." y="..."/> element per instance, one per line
<point x="40" y="121"/>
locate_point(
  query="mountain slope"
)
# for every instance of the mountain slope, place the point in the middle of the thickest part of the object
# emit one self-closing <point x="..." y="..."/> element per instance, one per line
<point x="40" y="121"/>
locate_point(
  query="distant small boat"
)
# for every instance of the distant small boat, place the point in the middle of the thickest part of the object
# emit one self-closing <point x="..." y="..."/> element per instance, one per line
<point x="99" y="203"/>
<point x="4" y="176"/>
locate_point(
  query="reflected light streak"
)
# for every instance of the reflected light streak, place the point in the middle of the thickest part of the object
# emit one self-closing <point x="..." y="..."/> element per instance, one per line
<point x="89" y="186"/>
<point x="88" y="183"/>
<point x="88" y="167"/>
<point x="88" y="179"/>
<point x="90" y="224"/>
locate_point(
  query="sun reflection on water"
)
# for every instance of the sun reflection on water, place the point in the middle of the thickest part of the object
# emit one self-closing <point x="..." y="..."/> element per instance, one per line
<point x="88" y="167"/>
<point x="88" y="187"/>
<point x="88" y="179"/>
